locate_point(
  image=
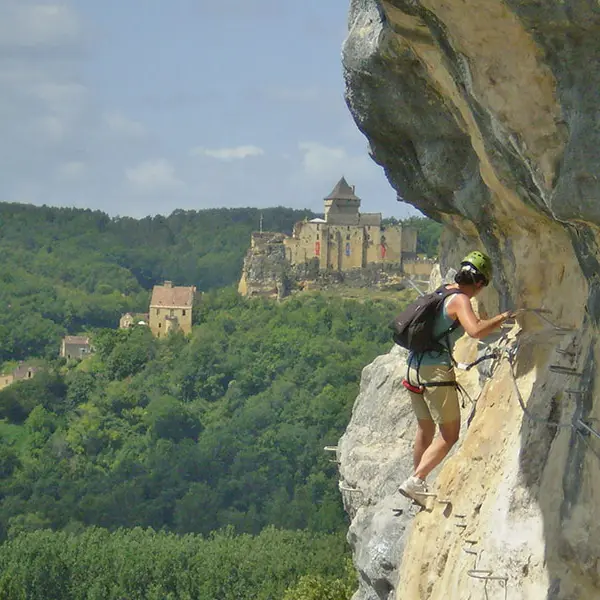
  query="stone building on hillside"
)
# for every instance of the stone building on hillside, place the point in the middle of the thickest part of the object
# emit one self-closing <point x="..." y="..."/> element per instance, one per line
<point x="22" y="372"/>
<point x="171" y="309"/>
<point x="344" y="246"/>
<point x="348" y="239"/>
<point x="75" y="347"/>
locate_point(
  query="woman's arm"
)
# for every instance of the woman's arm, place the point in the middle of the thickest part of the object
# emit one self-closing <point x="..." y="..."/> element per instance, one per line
<point x="460" y="308"/>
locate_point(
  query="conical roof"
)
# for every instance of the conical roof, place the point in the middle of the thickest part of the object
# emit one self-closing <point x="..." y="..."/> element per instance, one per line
<point x="342" y="191"/>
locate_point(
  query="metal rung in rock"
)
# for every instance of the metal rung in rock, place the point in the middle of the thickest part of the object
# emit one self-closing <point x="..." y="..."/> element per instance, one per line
<point x="572" y="391"/>
<point x="463" y="525"/>
<point x="486" y="574"/>
<point x="330" y="448"/>
<point x="469" y="551"/>
<point x="564" y="370"/>
<point x="583" y="425"/>
<point x="345" y="488"/>
<point x="425" y="494"/>
<point x="460" y="516"/>
<point x="566" y="352"/>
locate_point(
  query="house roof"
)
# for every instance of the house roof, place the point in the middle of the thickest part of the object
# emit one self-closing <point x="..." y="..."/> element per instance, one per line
<point x="342" y="191"/>
<point x="80" y="340"/>
<point x="172" y="297"/>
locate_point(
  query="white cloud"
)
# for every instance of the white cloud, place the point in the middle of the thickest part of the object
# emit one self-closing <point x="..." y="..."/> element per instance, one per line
<point x="50" y="129"/>
<point x="154" y="176"/>
<point x="25" y="24"/>
<point x="71" y="171"/>
<point x="239" y="152"/>
<point x="330" y="163"/>
<point x="61" y="98"/>
<point x="121" y="125"/>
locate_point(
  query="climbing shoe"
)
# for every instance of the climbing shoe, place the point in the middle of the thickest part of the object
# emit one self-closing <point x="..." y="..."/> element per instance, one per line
<point x="414" y="488"/>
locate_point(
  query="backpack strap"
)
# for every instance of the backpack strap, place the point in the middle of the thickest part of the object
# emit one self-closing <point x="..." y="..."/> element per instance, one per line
<point x="455" y="325"/>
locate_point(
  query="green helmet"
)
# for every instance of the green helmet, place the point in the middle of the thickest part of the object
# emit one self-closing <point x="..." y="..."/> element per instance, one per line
<point x="482" y="262"/>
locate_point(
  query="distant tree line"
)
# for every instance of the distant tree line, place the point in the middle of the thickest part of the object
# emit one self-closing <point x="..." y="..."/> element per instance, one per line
<point x="141" y="564"/>
<point x="66" y="269"/>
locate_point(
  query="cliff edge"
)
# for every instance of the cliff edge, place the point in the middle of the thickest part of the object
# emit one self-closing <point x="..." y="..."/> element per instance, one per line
<point x="483" y="114"/>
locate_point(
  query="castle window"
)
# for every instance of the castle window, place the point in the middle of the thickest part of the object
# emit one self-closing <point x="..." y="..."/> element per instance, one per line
<point x="348" y="237"/>
<point x="183" y="312"/>
<point x="317" y="237"/>
<point x="159" y="325"/>
<point x="158" y="311"/>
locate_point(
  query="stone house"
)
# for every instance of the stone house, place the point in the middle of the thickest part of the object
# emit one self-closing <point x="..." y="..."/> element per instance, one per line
<point x="75" y="347"/>
<point x="23" y="371"/>
<point x="171" y="309"/>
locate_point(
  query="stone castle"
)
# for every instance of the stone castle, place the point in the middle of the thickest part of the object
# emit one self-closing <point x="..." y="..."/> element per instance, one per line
<point x="346" y="246"/>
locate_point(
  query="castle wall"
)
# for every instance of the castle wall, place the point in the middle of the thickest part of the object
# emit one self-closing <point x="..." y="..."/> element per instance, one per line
<point x="160" y="317"/>
<point x="344" y="247"/>
<point x="409" y="240"/>
<point x="420" y="268"/>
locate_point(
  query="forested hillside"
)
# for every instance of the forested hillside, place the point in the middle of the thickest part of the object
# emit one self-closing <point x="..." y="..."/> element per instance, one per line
<point x="225" y="427"/>
<point x="66" y="269"/>
<point x="215" y="439"/>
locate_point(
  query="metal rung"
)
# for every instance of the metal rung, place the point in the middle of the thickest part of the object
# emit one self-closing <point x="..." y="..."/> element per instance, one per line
<point x="330" y="448"/>
<point x="469" y="551"/>
<point x="485" y="574"/>
<point x="471" y="541"/>
<point x="564" y="370"/>
<point x="337" y="462"/>
<point x="572" y="391"/>
<point x="566" y="352"/>
<point x="444" y="501"/>
<point x="587" y="428"/>
<point x="460" y="524"/>
<point x="345" y="488"/>
<point x="460" y="516"/>
<point x="426" y="494"/>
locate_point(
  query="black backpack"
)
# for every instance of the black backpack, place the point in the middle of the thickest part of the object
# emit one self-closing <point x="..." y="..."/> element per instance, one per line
<point x="413" y="327"/>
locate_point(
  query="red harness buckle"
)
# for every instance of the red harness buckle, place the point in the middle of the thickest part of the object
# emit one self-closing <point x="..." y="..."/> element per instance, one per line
<point x="415" y="389"/>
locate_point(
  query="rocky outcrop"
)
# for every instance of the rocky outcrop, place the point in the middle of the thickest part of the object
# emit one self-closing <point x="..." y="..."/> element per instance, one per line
<point x="483" y="114"/>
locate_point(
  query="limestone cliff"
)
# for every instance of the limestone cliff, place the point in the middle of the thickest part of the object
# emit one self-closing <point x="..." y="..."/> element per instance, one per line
<point x="483" y="114"/>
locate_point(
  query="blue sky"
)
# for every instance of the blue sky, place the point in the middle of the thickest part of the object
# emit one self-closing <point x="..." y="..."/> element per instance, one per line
<point x="140" y="107"/>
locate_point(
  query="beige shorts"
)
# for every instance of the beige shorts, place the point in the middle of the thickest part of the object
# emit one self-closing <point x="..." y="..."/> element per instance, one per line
<point x="439" y="403"/>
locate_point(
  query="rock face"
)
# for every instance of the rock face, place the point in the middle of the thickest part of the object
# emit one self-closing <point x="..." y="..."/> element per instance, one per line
<point x="483" y="114"/>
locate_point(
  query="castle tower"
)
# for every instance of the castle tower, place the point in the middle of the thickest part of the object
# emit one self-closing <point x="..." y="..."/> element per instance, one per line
<point x="341" y="206"/>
